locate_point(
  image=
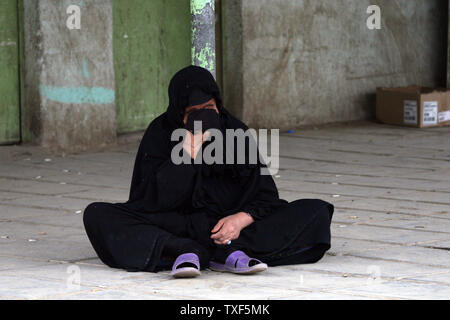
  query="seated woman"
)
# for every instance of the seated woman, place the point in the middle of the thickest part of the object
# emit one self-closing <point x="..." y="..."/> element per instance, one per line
<point x="192" y="216"/>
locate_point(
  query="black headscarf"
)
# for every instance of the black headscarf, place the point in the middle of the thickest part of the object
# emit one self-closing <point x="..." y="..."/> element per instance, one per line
<point x="182" y="84"/>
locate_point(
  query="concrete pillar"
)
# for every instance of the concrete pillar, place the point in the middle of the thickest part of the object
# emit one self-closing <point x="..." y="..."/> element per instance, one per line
<point x="203" y="51"/>
<point x="232" y="57"/>
<point x="69" y="75"/>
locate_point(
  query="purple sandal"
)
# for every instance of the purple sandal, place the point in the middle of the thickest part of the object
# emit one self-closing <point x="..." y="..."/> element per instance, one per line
<point x="240" y="263"/>
<point x="187" y="271"/>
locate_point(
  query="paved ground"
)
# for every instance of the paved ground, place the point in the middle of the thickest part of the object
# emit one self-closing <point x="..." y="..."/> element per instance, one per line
<point x="391" y="229"/>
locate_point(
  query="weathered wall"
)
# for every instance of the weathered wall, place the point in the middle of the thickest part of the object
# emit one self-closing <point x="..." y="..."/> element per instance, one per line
<point x="148" y="49"/>
<point x="285" y="63"/>
<point x="232" y="55"/>
<point x="69" y="75"/>
<point x="315" y="61"/>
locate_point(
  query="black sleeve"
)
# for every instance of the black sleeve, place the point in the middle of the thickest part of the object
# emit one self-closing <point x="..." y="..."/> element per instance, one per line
<point x="157" y="182"/>
<point x="174" y="184"/>
<point x="264" y="199"/>
<point x="261" y="193"/>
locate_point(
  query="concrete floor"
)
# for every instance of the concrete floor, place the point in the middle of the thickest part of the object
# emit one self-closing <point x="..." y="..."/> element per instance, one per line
<point x="390" y="234"/>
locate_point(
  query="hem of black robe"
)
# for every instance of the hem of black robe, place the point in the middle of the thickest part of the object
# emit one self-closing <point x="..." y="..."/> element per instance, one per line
<point x="154" y="261"/>
<point x="311" y="254"/>
<point x="308" y="253"/>
<point x="289" y="244"/>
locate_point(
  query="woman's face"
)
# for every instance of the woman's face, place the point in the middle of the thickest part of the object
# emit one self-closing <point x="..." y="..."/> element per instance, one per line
<point x="211" y="104"/>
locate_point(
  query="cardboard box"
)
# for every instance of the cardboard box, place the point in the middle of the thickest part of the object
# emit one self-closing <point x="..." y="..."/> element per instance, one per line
<point x="413" y="106"/>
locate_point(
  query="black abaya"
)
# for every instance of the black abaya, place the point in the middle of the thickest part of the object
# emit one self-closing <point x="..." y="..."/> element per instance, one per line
<point x="297" y="232"/>
<point x="169" y="201"/>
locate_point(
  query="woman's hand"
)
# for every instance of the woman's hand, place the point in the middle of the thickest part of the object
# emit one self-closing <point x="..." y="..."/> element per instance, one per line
<point x="192" y="143"/>
<point x="229" y="228"/>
